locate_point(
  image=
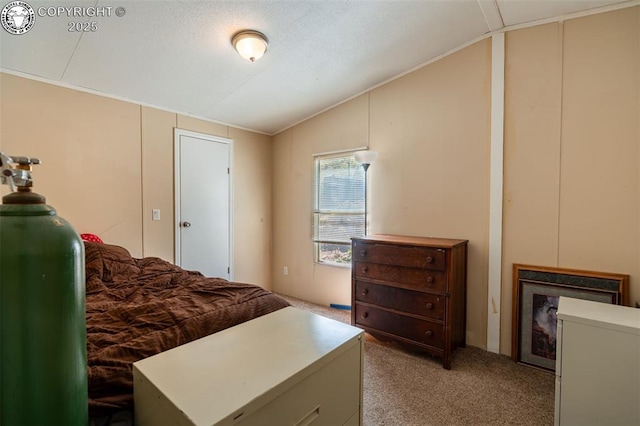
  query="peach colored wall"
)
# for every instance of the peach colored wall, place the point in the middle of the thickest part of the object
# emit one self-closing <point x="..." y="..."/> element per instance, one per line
<point x="108" y="163"/>
<point x="533" y="82"/>
<point x="252" y="206"/>
<point x="90" y="149"/>
<point x="599" y="187"/>
<point x="571" y="179"/>
<point x="343" y="127"/>
<point x="431" y="130"/>
<point x="282" y="197"/>
<point x="572" y="144"/>
<point x="157" y="182"/>
<point x="201" y="126"/>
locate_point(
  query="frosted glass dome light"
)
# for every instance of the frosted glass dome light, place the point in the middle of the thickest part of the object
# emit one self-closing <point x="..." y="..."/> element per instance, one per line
<point x="250" y="44"/>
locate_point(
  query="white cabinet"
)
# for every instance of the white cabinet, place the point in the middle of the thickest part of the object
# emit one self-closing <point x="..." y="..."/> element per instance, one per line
<point x="289" y="367"/>
<point x="597" y="364"/>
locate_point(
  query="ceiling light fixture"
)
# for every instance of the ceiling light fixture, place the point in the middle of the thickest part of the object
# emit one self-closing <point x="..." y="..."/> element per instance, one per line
<point x="250" y="44"/>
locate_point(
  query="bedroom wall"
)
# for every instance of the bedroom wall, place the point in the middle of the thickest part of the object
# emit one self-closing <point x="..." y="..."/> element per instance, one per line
<point x="572" y="160"/>
<point x="431" y="129"/>
<point x="343" y="127"/>
<point x="430" y="178"/>
<point x="572" y="145"/>
<point x="252" y="207"/>
<point x="81" y="139"/>
<point x="107" y="163"/>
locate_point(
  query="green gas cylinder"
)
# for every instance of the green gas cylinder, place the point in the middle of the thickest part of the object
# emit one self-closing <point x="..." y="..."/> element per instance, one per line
<point x="43" y="363"/>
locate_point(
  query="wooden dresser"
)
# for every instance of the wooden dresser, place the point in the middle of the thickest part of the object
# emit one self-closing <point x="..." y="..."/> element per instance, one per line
<point x="411" y="290"/>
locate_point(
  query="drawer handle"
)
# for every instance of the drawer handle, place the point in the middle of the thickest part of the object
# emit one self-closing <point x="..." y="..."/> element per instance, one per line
<point x="365" y="314"/>
<point x="430" y="279"/>
<point x="429" y="333"/>
<point x="309" y="418"/>
<point x="429" y="305"/>
<point x="429" y="259"/>
<point x="365" y="270"/>
<point x="363" y="253"/>
<point x="365" y="291"/>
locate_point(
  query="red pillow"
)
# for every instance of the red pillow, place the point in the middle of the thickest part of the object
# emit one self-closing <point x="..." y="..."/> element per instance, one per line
<point x="91" y="237"/>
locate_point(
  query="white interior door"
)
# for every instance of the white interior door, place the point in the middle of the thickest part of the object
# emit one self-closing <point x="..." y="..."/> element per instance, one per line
<point x="203" y="203"/>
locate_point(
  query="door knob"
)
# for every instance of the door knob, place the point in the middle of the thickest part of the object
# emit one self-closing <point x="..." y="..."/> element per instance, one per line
<point x="186" y="224"/>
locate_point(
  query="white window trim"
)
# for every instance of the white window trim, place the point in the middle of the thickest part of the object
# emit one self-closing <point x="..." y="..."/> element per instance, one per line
<point x="316" y="244"/>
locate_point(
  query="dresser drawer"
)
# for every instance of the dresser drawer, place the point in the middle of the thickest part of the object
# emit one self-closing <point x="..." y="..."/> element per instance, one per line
<point x="421" y="331"/>
<point x="413" y="257"/>
<point x="420" y="279"/>
<point x="415" y="302"/>
<point x="412" y="289"/>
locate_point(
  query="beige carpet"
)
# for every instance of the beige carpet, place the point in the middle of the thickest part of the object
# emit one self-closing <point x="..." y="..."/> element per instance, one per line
<point x="482" y="388"/>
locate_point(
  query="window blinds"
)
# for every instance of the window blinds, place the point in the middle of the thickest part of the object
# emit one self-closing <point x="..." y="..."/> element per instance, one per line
<point x="339" y="210"/>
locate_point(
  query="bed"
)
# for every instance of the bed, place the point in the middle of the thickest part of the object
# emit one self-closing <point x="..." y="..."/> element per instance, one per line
<point x="140" y="307"/>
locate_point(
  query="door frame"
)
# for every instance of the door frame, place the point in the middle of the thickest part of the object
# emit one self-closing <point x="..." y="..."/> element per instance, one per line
<point x="176" y="190"/>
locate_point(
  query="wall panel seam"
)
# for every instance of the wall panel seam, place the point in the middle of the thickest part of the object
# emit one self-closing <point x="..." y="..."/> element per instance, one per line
<point x="142" y="180"/>
<point x="561" y="100"/>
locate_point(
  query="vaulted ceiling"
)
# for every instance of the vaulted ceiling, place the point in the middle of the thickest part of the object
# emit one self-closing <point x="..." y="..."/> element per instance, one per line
<point x="177" y="55"/>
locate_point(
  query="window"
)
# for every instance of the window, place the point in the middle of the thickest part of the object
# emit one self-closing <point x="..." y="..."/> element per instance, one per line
<point x="339" y="207"/>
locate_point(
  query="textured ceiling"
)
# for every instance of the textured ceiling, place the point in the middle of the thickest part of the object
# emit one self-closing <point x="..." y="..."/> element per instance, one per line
<point x="177" y="55"/>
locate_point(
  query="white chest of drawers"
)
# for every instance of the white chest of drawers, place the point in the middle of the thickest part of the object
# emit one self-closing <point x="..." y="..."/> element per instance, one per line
<point x="597" y="364"/>
<point x="290" y="367"/>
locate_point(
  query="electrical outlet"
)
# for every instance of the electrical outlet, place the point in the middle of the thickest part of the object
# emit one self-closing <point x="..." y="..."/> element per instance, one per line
<point x="285" y="271"/>
<point x="155" y="214"/>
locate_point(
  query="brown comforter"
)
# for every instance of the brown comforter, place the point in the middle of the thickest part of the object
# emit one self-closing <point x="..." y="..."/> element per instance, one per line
<point x="140" y="307"/>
